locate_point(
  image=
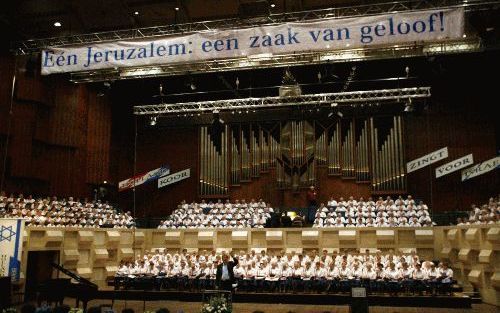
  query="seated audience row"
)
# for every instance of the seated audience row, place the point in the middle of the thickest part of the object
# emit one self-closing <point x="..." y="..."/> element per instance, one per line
<point x="288" y="272"/>
<point x="239" y="214"/>
<point x="382" y="213"/>
<point x="54" y="212"/>
<point x="486" y="214"/>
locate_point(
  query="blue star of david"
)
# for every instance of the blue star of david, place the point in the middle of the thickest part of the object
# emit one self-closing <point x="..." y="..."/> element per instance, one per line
<point x="6" y="233"/>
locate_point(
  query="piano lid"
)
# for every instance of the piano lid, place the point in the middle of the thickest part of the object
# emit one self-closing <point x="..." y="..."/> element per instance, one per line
<point x="75" y="276"/>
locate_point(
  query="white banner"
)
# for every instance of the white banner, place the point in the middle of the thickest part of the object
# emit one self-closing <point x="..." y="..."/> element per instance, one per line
<point x="427" y="159"/>
<point x="11" y="244"/>
<point x="288" y="38"/>
<point x="481" y="168"/>
<point x="143" y="178"/>
<point x="173" y="178"/>
<point x="454" y="165"/>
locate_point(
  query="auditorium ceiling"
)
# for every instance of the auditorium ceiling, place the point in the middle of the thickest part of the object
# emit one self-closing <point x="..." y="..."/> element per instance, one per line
<point x="36" y="18"/>
<point x="28" y="19"/>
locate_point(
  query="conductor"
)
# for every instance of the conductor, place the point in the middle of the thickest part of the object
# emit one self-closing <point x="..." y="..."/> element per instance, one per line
<point x="225" y="273"/>
<point x="312" y="204"/>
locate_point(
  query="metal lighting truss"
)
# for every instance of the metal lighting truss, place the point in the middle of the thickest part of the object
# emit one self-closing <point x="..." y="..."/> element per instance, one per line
<point x="322" y="99"/>
<point x="35" y="45"/>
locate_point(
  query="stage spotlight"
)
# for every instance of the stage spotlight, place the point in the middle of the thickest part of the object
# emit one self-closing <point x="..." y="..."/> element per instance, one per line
<point x="319" y="77"/>
<point x="192" y="86"/>
<point x="160" y="88"/>
<point x="106" y="87"/>
<point x="152" y="121"/>
<point x="409" y="106"/>
<point x="334" y="104"/>
<point x="237" y="83"/>
<point x="217" y="119"/>
<point x="330" y="114"/>
<point x="340" y="114"/>
<point x="273" y="5"/>
<point x="407" y="71"/>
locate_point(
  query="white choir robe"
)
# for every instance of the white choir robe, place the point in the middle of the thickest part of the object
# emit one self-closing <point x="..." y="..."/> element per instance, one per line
<point x="345" y="273"/>
<point x="369" y="274"/>
<point x="332" y="273"/>
<point x="392" y="274"/>
<point x="274" y="274"/>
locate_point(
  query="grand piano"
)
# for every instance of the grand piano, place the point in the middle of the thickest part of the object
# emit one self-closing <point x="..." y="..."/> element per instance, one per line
<point x="55" y="290"/>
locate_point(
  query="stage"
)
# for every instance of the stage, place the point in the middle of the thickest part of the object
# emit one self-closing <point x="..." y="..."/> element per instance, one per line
<point x="457" y="300"/>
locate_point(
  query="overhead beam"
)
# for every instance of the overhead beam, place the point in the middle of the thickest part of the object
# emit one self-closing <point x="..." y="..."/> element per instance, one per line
<point x="316" y="100"/>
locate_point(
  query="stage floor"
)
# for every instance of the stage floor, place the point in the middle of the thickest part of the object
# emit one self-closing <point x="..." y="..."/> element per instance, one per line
<point x="194" y="307"/>
<point x="441" y="301"/>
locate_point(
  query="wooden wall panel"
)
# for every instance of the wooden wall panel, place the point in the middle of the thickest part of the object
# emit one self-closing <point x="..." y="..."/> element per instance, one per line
<point x="176" y="147"/>
<point x="21" y="143"/>
<point x="49" y="148"/>
<point x="6" y="70"/>
<point x="335" y="186"/>
<point x="30" y="85"/>
<point x="263" y="187"/>
<point x="64" y="117"/>
<point x="98" y="134"/>
<point x="464" y="128"/>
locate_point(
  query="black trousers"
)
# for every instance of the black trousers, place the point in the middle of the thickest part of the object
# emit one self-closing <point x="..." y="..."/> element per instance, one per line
<point x="226" y="285"/>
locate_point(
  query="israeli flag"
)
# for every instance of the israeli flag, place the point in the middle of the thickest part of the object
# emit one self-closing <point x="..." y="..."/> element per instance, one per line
<point x="11" y="244"/>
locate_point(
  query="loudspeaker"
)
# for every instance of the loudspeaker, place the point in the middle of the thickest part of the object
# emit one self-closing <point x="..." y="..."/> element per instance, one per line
<point x="5" y="292"/>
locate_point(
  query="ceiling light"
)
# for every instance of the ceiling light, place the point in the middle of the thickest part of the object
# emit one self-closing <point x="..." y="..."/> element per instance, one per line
<point x="177" y="8"/>
<point x="273" y="5"/>
<point x="409" y="106"/>
<point x="57" y="24"/>
<point x="136" y="13"/>
<point x="192" y="86"/>
<point x="334" y="104"/>
<point x="152" y="121"/>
